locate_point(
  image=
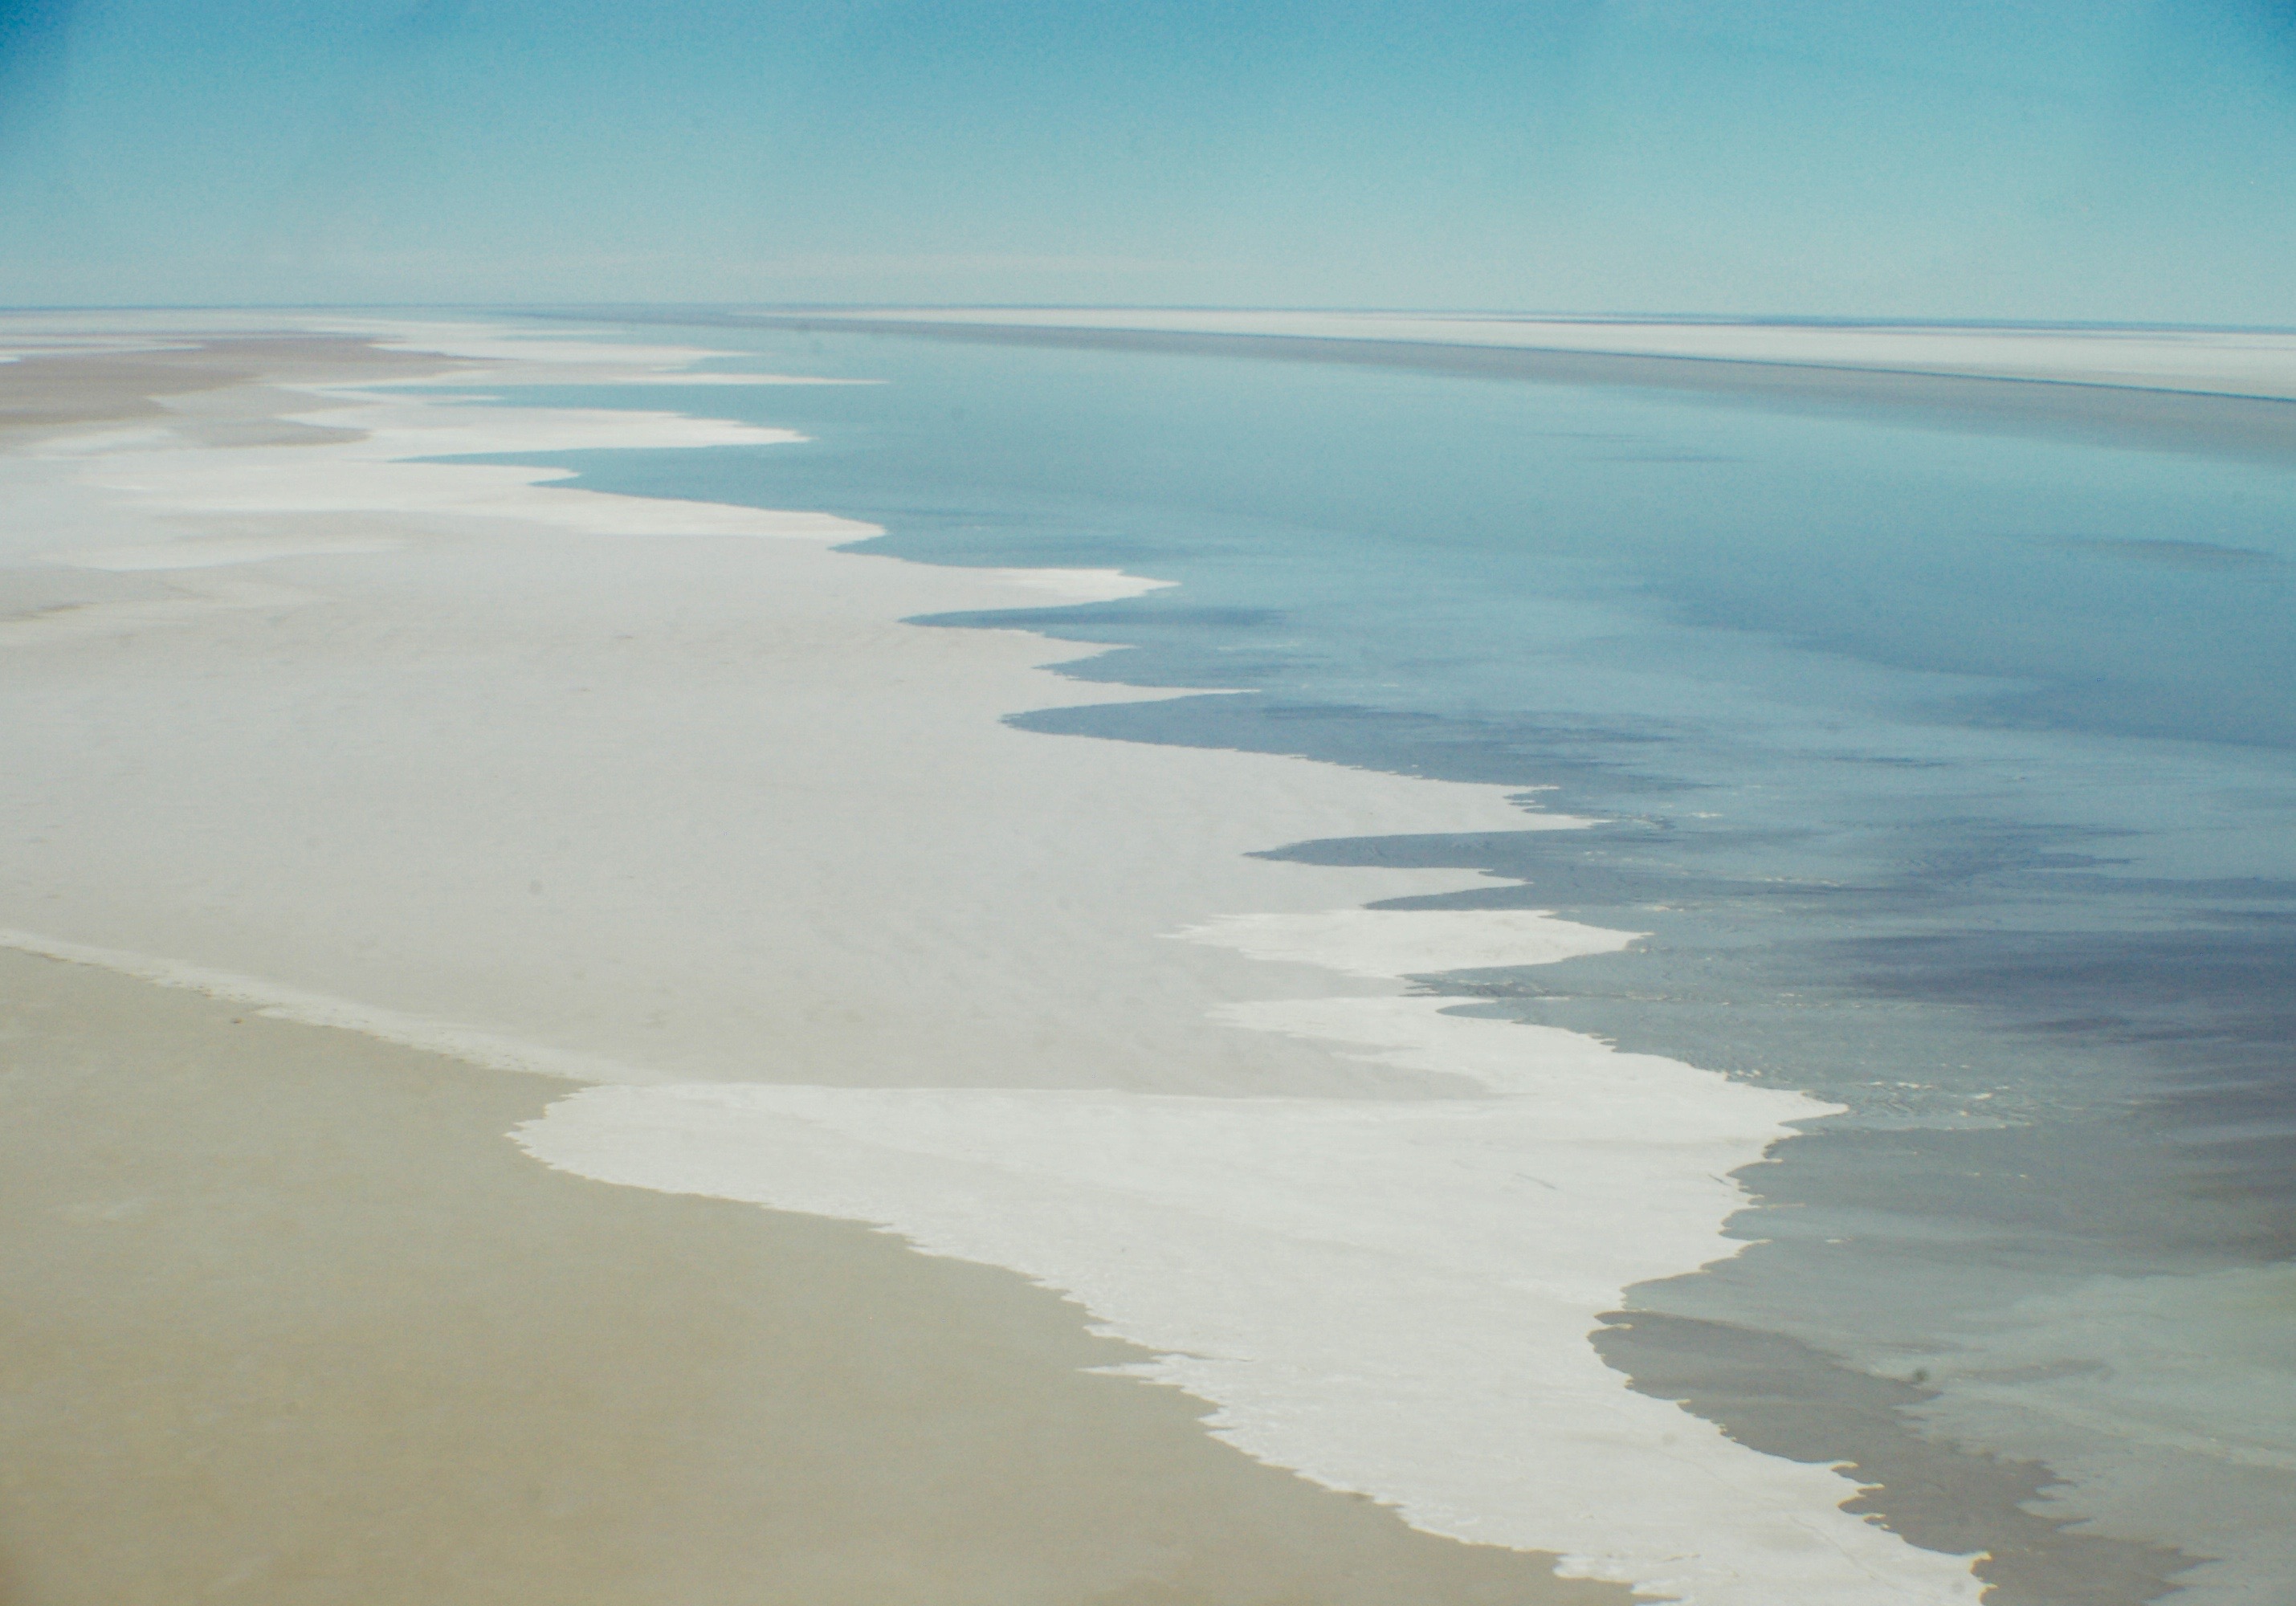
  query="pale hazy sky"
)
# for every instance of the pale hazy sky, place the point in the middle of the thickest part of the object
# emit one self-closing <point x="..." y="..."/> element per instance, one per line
<point x="2023" y="159"/>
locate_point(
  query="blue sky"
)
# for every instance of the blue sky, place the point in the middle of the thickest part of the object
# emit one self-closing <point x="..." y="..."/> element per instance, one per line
<point x="2022" y="158"/>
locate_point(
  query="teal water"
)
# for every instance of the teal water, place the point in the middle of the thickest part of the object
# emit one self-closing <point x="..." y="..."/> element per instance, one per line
<point x="1952" y="773"/>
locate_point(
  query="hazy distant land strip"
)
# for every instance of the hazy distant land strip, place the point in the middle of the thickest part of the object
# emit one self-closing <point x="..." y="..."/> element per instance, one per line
<point x="2120" y="413"/>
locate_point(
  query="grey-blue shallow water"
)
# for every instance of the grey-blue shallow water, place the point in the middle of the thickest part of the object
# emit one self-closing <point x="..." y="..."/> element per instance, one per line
<point x="1951" y="772"/>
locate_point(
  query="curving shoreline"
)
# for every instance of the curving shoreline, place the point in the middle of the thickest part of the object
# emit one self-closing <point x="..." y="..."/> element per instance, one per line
<point x="687" y="800"/>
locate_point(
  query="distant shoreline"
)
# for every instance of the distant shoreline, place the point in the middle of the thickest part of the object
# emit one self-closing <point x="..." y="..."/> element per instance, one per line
<point x="2152" y="417"/>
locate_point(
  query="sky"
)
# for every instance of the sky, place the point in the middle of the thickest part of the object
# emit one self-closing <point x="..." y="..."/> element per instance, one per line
<point x="2022" y="160"/>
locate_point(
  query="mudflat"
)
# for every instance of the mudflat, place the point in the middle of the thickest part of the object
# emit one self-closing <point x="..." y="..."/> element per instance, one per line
<point x="286" y="1319"/>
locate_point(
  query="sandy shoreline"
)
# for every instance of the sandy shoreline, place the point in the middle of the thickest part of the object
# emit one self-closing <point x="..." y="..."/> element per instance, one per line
<point x="663" y="798"/>
<point x="286" y="1320"/>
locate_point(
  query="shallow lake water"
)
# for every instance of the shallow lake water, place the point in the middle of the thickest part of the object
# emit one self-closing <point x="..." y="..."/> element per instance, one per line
<point x="1951" y="773"/>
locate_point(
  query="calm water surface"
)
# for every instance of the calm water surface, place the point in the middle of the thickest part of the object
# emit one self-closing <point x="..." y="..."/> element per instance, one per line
<point x="1952" y="774"/>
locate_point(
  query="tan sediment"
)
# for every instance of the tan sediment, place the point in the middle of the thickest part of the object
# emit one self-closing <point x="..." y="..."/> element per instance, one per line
<point x="207" y="388"/>
<point x="285" y="1319"/>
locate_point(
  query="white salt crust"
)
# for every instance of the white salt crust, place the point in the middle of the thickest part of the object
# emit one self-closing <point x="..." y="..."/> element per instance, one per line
<point x="1380" y="1267"/>
<point x="1391" y="1297"/>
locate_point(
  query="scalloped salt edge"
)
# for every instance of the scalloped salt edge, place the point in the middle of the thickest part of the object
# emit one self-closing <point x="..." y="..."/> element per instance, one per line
<point x="1351" y="1282"/>
<point x="1388" y="1297"/>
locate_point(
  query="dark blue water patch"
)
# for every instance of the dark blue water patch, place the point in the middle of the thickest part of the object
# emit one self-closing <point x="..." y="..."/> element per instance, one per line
<point x="2217" y="985"/>
<point x="2201" y="557"/>
<point x="1577" y="765"/>
<point x="1796" y="1402"/>
<point x="2214" y="1006"/>
<point x="2069" y="970"/>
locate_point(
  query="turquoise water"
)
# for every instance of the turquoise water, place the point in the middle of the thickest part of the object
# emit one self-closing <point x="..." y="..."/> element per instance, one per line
<point x="1952" y="774"/>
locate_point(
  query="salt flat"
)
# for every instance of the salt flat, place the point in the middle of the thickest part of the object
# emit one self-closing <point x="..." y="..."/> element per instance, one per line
<point x="665" y="797"/>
